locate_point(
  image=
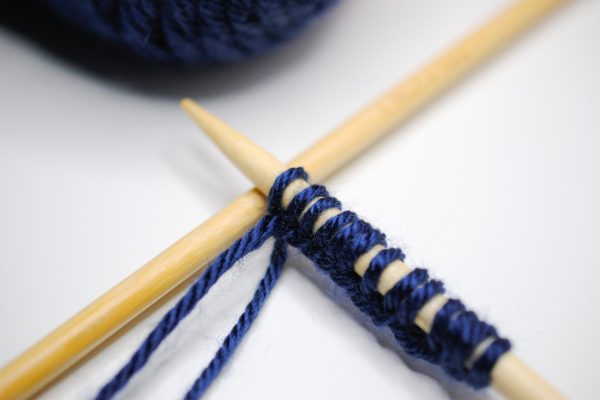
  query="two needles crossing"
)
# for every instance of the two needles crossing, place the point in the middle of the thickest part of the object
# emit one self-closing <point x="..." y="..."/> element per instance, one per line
<point x="69" y="343"/>
<point x="510" y="376"/>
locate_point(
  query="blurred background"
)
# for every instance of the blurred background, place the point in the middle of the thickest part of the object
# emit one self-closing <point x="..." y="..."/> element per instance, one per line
<point x="100" y="171"/>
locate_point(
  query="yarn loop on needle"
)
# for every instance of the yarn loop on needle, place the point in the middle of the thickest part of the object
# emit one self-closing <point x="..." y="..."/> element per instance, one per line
<point x="336" y="246"/>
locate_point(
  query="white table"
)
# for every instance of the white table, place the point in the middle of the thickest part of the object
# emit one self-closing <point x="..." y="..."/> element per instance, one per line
<point x="499" y="181"/>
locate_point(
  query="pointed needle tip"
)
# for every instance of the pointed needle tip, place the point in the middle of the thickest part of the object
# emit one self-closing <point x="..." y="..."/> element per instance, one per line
<point x="187" y="104"/>
<point x="199" y="115"/>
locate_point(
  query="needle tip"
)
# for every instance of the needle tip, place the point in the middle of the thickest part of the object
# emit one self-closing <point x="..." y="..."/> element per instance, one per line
<point x="208" y="122"/>
<point x="187" y="104"/>
<point x="256" y="163"/>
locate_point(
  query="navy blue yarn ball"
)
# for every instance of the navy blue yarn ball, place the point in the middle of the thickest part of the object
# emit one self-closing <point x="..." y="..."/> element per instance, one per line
<point x="192" y="32"/>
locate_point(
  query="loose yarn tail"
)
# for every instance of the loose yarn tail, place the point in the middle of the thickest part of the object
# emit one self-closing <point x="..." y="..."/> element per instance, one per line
<point x="278" y="257"/>
<point x="251" y="241"/>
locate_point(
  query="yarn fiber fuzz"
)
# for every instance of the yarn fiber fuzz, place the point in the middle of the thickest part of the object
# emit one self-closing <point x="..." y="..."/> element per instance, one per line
<point x="192" y="32"/>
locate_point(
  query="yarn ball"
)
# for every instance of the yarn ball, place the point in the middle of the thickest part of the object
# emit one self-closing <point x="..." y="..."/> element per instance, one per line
<point x="192" y="32"/>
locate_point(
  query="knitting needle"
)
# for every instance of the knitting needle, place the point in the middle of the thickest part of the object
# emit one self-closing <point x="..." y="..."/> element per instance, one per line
<point x="71" y="341"/>
<point x="510" y="376"/>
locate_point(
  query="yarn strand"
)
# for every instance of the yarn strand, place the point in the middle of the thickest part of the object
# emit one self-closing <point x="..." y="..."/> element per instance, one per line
<point x="252" y="240"/>
<point x="278" y="257"/>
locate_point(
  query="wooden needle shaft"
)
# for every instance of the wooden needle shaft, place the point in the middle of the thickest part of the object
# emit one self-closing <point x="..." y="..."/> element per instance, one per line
<point x="403" y="100"/>
<point x="71" y="341"/>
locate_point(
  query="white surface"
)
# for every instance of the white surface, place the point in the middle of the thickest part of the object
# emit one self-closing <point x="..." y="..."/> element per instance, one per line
<point x="495" y="189"/>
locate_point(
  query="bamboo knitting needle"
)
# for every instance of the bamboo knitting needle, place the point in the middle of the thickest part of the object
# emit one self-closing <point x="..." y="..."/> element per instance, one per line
<point x="510" y="376"/>
<point x="70" y="342"/>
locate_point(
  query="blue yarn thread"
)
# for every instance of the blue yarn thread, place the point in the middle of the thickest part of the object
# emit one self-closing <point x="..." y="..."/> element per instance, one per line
<point x="278" y="257"/>
<point x="334" y="248"/>
<point x="252" y="240"/>
<point x="192" y="32"/>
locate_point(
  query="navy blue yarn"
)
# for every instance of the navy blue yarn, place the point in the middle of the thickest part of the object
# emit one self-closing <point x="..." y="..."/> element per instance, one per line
<point x="251" y="241"/>
<point x="334" y="248"/>
<point x="394" y="298"/>
<point x="278" y="257"/>
<point x="192" y="32"/>
<point x="376" y="267"/>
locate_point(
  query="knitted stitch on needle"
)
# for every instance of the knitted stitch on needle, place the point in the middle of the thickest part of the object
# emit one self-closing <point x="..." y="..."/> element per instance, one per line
<point x="462" y="345"/>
